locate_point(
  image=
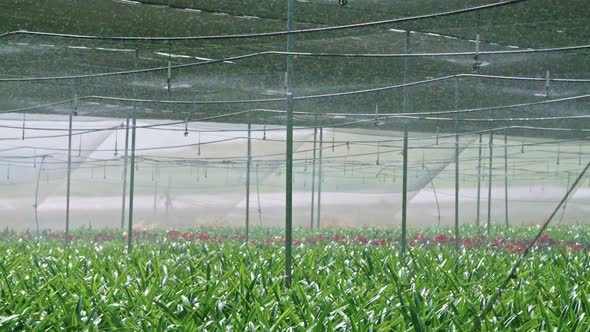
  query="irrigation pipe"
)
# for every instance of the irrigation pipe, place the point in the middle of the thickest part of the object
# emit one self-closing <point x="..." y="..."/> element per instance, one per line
<point x="307" y="97"/>
<point x="270" y="34"/>
<point x="315" y="55"/>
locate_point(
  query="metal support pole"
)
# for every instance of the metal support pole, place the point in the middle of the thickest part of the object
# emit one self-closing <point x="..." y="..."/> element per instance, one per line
<point x="289" y="148"/>
<point x="456" y="165"/>
<point x="132" y="177"/>
<point x="155" y="207"/>
<point x="168" y="203"/>
<point x="404" y="189"/>
<point x="248" y="161"/>
<point x="315" y="136"/>
<point x="36" y="205"/>
<point x="406" y="105"/>
<point x="478" y="184"/>
<point x="125" y="159"/>
<point x="258" y="197"/>
<point x="68" y="178"/>
<point x="506" y="176"/>
<point x="318" y="218"/>
<point x="405" y="108"/>
<point x="491" y="144"/>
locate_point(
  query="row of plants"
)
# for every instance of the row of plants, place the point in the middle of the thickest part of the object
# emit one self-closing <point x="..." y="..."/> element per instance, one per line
<point x="514" y="239"/>
<point x="170" y="282"/>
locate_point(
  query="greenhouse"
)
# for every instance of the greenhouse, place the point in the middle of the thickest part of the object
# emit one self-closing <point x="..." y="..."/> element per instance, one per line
<point x="274" y="165"/>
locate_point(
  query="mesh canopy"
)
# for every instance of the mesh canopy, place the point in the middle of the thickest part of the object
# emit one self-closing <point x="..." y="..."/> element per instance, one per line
<point x="516" y="71"/>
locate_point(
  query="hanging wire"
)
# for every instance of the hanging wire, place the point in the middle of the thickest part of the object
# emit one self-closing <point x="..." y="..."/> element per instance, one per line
<point x="522" y="146"/>
<point x="80" y="147"/>
<point x="376" y="122"/>
<point x="477" y="63"/>
<point x="274" y="33"/>
<point x="378" y="153"/>
<point x="24" y="125"/>
<point x="169" y="76"/>
<point x="186" y="126"/>
<point x="548" y="85"/>
<point x="116" y="153"/>
<point x="199" y="145"/>
<point x="264" y="129"/>
<point x="437" y="132"/>
<point x="333" y="138"/>
<point x="423" y="164"/>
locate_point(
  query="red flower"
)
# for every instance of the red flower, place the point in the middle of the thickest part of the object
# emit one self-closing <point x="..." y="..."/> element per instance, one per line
<point x="419" y="237"/>
<point x="577" y="247"/>
<point x="361" y="239"/>
<point x="378" y="242"/>
<point x="498" y="242"/>
<point x="441" y="239"/>
<point x="544" y="239"/>
<point x="172" y="234"/>
<point x="338" y="238"/>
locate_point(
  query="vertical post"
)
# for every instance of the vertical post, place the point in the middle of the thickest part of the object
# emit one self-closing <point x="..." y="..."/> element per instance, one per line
<point x="506" y="177"/>
<point x="169" y="76"/>
<point x="491" y="144"/>
<point x="406" y="105"/>
<point x="456" y="164"/>
<point x="318" y="218"/>
<point x="155" y="207"/>
<point x="68" y="178"/>
<point x="248" y="161"/>
<point x="405" y="108"/>
<point x="548" y="85"/>
<point x="404" y="189"/>
<point x="168" y="196"/>
<point x="289" y="148"/>
<point x="258" y="197"/>
<point x="124" y="196"/>
<point x="132" y="176"/>
<point x="478" y="183"/>
<point x="36" y="205"/>
<point x="315" y="136"/>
